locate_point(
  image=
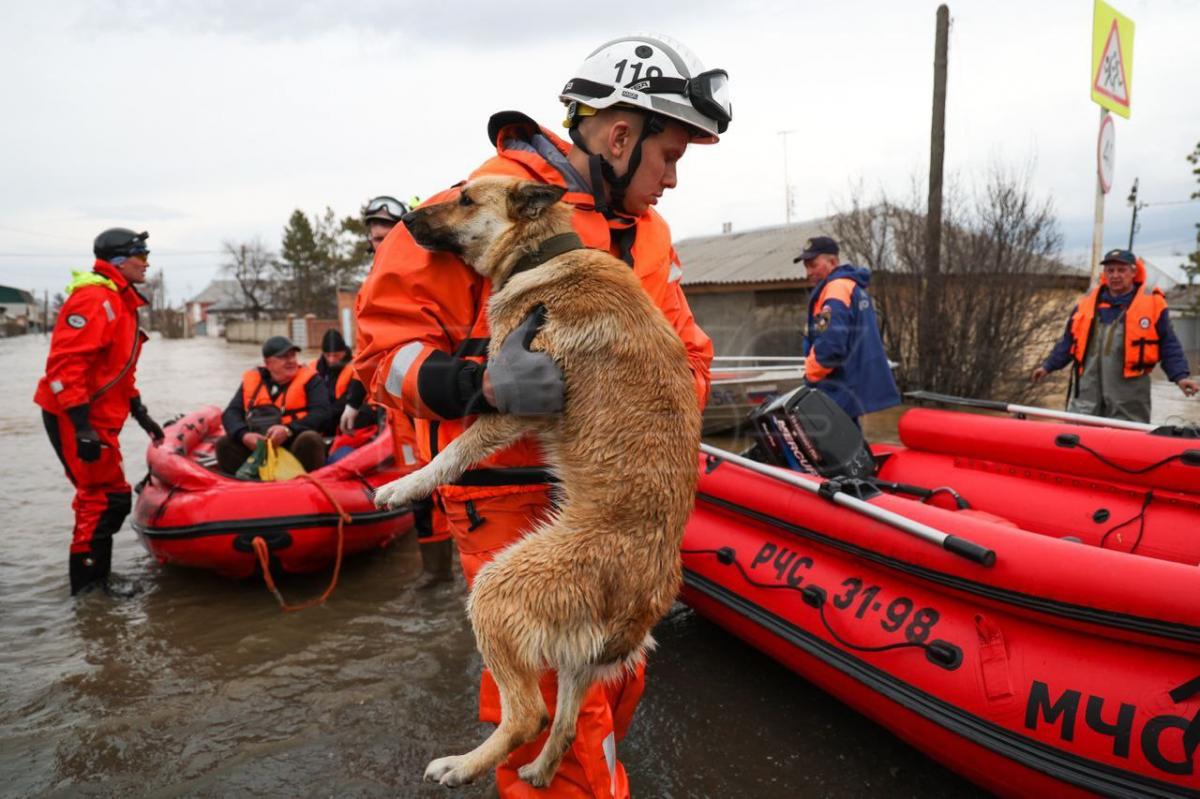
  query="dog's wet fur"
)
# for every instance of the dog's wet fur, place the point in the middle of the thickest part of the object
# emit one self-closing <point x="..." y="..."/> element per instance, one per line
<point x="580" y="592"/>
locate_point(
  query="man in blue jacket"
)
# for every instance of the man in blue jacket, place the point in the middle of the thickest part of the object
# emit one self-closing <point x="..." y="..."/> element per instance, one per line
<point x="843" y="351"/>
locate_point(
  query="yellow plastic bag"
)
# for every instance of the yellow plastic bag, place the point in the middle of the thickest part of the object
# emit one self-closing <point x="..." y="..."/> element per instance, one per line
<point x="279" y="465"/>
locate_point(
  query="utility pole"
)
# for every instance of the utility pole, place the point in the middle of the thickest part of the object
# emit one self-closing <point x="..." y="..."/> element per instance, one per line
<point x="787" y="181"/>
<point x="928" y="326"/>
<point x="1136" y="206"/>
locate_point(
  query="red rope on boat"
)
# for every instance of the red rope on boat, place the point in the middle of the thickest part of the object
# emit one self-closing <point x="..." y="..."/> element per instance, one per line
<point x="264" y="559"/>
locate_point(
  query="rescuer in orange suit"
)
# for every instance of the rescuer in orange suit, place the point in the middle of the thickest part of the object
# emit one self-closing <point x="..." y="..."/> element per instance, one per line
<point x="433" y="532"/>
<point x="89" y="390"/>
<point x="633" y="108"/>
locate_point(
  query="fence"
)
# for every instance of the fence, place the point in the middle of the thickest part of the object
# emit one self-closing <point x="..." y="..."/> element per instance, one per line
<point x="306" y="331"/>
<point x="255" y="331"/>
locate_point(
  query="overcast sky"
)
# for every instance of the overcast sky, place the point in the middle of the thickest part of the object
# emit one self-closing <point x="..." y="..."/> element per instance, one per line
<point x="211" y="121"/>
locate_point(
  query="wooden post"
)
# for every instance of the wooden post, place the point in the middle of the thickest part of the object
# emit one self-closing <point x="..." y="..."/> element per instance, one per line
<point x="928" y="325"/>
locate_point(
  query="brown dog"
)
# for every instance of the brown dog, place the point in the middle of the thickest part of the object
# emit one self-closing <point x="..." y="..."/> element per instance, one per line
<point x="580" y="592"/>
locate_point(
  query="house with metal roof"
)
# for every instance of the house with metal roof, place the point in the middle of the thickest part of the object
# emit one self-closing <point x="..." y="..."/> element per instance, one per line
<point x="221" y="301"/>
<point x="19" y="311"/>
<point x="744" y="289"/>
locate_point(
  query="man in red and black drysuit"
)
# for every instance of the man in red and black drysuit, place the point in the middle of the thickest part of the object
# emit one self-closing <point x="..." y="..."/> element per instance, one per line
<point x="89" y="390"/>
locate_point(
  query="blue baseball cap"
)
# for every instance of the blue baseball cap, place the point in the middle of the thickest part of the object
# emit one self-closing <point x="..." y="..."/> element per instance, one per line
<point x="817" y="245"/>
<point x="1119" y="257"/>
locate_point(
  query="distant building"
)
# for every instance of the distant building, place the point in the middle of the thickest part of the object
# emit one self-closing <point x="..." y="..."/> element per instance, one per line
<point x="744" y="289"/>
<point x="749" y="297"/>
<point x="221" y="301"/>
<point x="19" y="312"/>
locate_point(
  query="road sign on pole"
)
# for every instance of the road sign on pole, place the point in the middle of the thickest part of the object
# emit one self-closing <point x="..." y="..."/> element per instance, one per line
<point x="1112" y="59"/>
<point x="1106" y="153"/>
<point x="1098" y="225"/>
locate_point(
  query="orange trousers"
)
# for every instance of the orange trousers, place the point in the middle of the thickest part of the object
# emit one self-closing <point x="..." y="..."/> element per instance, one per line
<point x="481" y="528"/>
<point x="428" y="518"/>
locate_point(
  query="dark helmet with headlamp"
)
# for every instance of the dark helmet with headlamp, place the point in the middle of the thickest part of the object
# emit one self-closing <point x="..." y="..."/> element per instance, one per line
<point x="120" y="242"/>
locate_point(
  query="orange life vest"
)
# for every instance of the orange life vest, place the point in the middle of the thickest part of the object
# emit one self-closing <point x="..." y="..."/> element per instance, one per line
<point x="292" y="401"/>
<point x="1141" y="329"/>
<point x="344" y="377"/>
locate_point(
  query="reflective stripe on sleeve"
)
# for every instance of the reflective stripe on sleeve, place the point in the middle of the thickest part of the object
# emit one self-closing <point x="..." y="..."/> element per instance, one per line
<point x="56" y="386"/>
<point x="610" y="756"/>
<point x="109" y="310"/>
<point x="407" y="451"/>
<point x="675" y="275"/>
<point x="400" y="366"/>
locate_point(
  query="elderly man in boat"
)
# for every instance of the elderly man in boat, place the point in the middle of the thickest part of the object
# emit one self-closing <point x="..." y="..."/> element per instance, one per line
<point x="282" y="401"/>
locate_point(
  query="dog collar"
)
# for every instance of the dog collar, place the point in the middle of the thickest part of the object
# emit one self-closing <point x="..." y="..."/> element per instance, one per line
<point x="550" y="248"/>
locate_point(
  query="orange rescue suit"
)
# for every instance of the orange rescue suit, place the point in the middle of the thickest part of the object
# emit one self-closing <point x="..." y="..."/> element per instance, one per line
<point x="419" y="310"/>
<point x="95" y="348"/>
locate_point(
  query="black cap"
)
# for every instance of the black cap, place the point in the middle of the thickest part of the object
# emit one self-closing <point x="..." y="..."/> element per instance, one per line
<point x="120" y="242"/>
<point x="332" y="341"/>
<point x="1120" y="257"/>
<point x="817" y="245"/>
<point x="278" y="345"/>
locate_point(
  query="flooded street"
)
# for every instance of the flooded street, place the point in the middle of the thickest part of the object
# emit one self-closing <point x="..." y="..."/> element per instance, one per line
<point x="199" y="686"/>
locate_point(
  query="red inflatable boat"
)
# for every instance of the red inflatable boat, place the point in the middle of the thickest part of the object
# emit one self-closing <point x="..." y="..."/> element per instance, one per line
<point x="189" y="514"/>
<point x="1068" y="666"/>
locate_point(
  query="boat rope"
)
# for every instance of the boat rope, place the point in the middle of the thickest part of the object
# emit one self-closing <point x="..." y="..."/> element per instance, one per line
<point x="1189" y="457"/>
<point x="939" y="652"/>
<point x="1140" y="517"/>
<point x="264" y="558"/>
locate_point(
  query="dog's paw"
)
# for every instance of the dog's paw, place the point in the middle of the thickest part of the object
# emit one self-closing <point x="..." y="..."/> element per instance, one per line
<point x="448" y="771"/>
<point x="536" y="773"/>
<point x="398" y="492"/>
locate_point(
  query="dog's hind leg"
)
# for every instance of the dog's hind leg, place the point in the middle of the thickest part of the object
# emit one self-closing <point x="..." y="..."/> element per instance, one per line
<point x="488" y="434"/>
<point x="522" y="716"/>
<point x="572" y="686"/>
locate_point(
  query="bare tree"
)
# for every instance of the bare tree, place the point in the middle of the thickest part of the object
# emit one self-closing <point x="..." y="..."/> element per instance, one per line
<point x="251" y="264"/>
<point x="995" y="304"/>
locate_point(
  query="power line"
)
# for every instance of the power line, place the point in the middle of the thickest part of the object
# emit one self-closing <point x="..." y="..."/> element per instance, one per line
<point x="1173" y="202"/>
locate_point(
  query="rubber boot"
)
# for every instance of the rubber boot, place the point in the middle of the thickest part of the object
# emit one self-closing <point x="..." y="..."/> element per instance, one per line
<point x="89" y="570"/>
<point x="437" y="558"/>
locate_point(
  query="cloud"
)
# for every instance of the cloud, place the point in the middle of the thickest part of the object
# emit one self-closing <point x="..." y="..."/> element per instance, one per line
<point x="143" y="212"/>
<point x="430" y="23"/>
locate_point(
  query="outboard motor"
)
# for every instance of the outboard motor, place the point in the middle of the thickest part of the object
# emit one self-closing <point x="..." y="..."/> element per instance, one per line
<point x="804" y="430"/>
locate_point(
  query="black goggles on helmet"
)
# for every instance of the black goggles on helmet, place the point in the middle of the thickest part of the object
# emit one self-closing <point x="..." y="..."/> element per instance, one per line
<point x="385" y="205"/>
<point x="708" y="93"/>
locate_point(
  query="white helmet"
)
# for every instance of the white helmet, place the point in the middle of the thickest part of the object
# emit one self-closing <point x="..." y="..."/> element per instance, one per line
<point x="658" y="74"/>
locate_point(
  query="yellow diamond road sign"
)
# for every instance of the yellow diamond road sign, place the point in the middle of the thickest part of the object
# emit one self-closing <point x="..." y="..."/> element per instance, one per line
<point x="1112" y="58"/>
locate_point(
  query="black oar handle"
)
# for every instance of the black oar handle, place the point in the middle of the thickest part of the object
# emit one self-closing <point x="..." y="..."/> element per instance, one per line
<point x="949" y="399"/>
<point x="969" y="550"/>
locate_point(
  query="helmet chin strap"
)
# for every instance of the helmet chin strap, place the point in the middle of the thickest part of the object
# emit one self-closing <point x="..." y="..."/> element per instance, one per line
<point x="602" y="172"/>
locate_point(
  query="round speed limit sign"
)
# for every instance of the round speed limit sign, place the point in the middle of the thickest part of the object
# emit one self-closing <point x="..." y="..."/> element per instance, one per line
<point x="1106" y="153"/>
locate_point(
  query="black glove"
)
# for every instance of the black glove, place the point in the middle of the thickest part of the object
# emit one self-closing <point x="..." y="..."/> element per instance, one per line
<point x="526" y="383"/>
<point x="142" y="416"/>
<point x="87" y="443"/>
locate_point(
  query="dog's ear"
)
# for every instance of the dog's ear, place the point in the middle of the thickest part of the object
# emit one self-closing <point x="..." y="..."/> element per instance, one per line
<point x="529" y="199"/>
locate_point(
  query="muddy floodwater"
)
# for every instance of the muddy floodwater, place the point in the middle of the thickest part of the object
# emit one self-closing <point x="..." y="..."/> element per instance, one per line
<point x="199" y="686"/>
